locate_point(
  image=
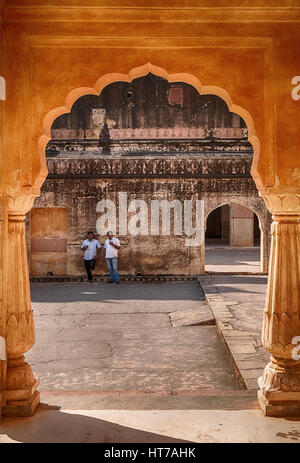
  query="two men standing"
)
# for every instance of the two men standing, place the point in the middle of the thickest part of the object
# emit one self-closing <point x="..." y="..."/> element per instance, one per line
<point x="92" y="248"/>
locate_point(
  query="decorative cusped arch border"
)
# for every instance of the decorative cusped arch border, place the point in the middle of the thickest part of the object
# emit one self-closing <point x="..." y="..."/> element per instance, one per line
<point x="134" y="74"/>
<point x="239" y="201"/>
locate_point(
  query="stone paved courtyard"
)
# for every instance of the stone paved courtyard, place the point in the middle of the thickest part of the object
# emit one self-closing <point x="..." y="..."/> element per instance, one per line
<point x="145" y="380"/>
<point x="223" y="258"/>
<point x="120" y="338"/>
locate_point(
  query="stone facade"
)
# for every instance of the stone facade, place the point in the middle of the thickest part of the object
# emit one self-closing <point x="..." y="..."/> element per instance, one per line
<point x="77" y="185"/>
<point x="153" y="141"/>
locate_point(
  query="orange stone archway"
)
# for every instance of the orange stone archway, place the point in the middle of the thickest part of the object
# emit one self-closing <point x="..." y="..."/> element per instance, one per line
<point x="96" y="90"/>
<point x="48" y="50"/>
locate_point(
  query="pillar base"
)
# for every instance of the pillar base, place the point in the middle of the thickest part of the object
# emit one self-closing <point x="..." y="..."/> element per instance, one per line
<point x="1" y="404"/>
<point x="279" y="388"/>
<point x="22" y="402"/>
<point x="22" y="407"/>
<point x="282" y="406"/>
<point x="21" y="396"/>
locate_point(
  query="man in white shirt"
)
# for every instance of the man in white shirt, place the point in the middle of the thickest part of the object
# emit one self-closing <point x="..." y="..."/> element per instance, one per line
<point x="112" y="245"/>
<point x="91" y="249"/>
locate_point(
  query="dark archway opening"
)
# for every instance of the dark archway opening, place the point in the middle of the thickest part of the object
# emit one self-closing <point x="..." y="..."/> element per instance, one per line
<point x="217" y="226"/>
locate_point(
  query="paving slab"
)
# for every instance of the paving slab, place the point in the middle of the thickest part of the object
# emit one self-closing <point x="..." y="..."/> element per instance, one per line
<point x="202" y="316"/>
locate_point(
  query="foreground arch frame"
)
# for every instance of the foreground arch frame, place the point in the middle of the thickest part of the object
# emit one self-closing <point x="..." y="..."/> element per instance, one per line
<point x="280" y="385"/>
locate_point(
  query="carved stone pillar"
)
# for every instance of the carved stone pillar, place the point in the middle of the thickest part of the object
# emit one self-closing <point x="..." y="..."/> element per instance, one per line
<point x="21" y="395"/>
<point x="279" y="393"/>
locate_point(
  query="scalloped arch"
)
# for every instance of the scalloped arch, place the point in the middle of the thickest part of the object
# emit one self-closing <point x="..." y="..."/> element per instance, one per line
<point x="140" y="72"/>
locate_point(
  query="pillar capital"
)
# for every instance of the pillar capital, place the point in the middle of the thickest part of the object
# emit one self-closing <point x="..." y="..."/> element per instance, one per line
<point x="282" y="203"/>
<point x="19" y="204"/>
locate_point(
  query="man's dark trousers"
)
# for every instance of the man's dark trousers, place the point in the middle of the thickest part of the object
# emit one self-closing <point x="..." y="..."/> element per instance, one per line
<point x="89" y="265"/>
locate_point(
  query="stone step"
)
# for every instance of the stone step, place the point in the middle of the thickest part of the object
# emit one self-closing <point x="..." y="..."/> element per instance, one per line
<point x="139" y="400"/>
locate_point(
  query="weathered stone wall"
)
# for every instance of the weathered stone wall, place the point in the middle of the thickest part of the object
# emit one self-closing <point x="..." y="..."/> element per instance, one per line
<point x="78" y="185"/>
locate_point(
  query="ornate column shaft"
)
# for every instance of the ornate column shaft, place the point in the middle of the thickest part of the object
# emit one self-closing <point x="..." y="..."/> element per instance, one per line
<point x="21" y="393"/>
<point x="279" y="393"/>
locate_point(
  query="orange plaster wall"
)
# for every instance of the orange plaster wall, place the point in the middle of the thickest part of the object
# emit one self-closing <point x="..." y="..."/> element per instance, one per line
<point x="251" y="57"/>
<point x="48" y="232"/>
<point x="48" y="222"/>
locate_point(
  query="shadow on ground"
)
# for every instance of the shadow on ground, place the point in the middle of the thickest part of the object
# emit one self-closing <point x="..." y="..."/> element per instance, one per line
<point x="100" y="292"/>
<point x="55" y="426"/>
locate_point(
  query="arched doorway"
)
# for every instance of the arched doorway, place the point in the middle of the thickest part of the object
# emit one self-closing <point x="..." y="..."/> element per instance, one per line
<point x="233" y="240"/>
<point x="47" y="75"/>
<point x="76" y="94"/>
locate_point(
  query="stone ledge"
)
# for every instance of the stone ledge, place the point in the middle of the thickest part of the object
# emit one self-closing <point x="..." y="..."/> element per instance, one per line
<point x="236" y="273"/>
<point x="123" y="278"/>
<point x="210" y="165"/>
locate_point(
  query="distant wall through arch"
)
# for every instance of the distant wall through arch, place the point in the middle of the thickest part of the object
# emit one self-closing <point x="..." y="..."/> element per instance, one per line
<point x="256" y="205"/>
<point x="194" y="148"/>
